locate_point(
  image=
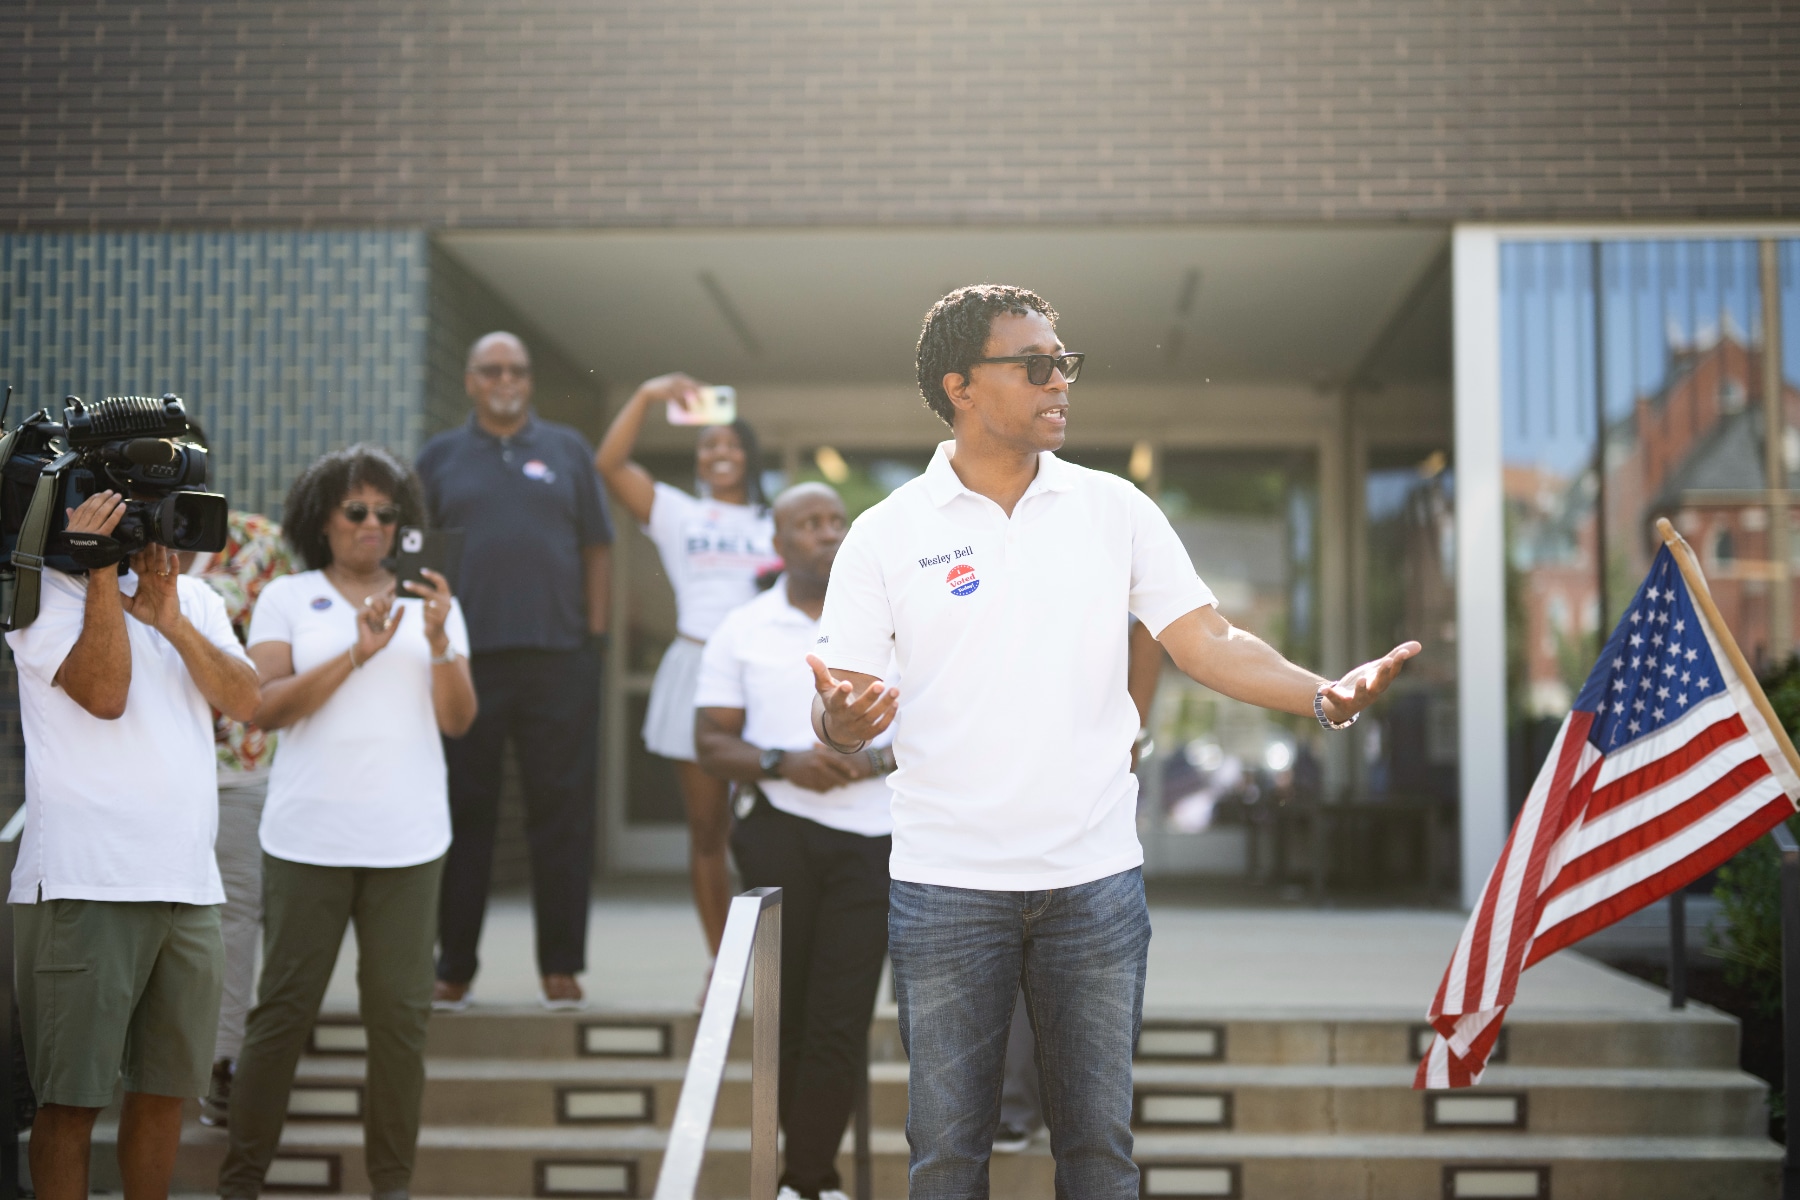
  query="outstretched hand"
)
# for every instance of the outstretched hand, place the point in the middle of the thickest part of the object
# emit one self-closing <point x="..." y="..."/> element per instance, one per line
<point x="1357" y="690"/>
<point x="851" y="717"/>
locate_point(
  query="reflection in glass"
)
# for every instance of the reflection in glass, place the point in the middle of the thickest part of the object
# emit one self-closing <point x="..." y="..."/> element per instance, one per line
<point x="1631" y="388"/>
<point x="1249" y="520"/>
<point x="1409" y="742"/>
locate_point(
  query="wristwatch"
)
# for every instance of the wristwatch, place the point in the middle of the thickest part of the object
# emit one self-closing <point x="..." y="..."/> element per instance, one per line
<point x="448" y="656"/>
<point x="1326" y="722"/>
<point x="770" y="761"/>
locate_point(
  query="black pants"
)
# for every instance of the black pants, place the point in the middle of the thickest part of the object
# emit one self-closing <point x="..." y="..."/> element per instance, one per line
<point x="547" y="702"/>
<point x="833" y="937"/>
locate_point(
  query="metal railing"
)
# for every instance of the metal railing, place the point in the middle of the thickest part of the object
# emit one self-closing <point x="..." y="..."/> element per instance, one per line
<point x="752" y="935"/>
<point x="1790" y="1000"/>
<point x="9" y="1054"/>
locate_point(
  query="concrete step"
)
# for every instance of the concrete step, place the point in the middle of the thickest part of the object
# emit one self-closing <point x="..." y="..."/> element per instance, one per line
<point x="466" y="1161"/>
<point x="1693" y="1037"/>
<point x="1247" y="1098"/>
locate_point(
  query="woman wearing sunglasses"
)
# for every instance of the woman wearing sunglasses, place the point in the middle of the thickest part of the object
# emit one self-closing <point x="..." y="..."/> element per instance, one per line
<point x="361" y="678"/>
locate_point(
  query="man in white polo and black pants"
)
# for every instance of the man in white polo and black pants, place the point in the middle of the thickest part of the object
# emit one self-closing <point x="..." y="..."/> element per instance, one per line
<point x="1000" y="580"/>
<point x="810" y="821"/>
<point x="116" y="893"/>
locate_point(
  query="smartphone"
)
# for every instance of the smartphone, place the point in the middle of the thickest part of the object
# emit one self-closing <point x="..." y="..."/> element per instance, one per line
<point x="439" y="550"/>
<point x="713" y="406"/>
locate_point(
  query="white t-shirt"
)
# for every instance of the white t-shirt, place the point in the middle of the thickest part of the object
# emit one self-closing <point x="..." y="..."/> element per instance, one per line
<point x="1015" y="727"/>
<point x="756" y="661"/>
<point x="360" y="782"/>
<point x="712" y="553"/>
<point x="122" y="810"/>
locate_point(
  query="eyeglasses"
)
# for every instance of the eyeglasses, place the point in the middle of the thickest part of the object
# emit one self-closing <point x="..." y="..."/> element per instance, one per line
<point x="1039" y="366"/>
<point x="356" y="512"/>
<point x="497" y="371"/>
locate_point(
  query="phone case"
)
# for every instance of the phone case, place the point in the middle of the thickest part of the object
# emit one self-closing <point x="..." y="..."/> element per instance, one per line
<point x="437" y="549"/>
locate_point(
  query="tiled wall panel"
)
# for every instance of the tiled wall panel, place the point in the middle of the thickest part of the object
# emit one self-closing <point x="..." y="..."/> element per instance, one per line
<point x="284" y="344"/>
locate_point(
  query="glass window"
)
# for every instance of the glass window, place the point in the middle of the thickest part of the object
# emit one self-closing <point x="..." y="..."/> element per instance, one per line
<point x="1249" y="519"/>
<point x="1631" y="389"/>
<point x="1409" y="743"/>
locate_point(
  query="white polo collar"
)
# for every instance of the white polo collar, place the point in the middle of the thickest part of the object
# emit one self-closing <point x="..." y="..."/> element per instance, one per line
<point x="942" y="484"/>
<point x="775" y="607"/>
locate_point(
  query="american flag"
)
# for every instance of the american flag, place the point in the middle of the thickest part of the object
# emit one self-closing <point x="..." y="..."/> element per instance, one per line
<point x="1665" y="768"/>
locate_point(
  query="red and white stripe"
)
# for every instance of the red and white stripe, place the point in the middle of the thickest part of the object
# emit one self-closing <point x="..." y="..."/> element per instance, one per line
<point x="1599" y="837"/>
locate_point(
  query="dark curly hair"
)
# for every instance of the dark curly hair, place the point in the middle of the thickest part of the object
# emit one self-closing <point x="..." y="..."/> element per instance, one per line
<point x="323" y="486"/>
<point x="956" y="332"/>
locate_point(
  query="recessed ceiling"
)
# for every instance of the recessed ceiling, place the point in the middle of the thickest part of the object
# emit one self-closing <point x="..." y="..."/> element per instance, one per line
<point x="1264" y="305"/>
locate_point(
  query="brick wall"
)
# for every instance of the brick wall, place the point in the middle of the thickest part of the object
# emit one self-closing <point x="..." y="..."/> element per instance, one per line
<point x="727" y="112"/>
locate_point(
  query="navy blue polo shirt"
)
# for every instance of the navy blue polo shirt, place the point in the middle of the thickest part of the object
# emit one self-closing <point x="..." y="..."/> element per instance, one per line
<point x="527" y="506"/>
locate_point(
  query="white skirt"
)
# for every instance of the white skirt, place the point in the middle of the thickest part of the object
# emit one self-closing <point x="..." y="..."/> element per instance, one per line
<point x="669" y="720"/>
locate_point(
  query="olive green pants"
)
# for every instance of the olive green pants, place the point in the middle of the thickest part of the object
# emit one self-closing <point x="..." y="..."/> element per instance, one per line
<point x="305" y="911"/>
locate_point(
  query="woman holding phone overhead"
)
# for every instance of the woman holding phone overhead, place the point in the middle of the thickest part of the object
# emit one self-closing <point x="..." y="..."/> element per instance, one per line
<point x="713" y="545"/>
<point x="361" y="678"/>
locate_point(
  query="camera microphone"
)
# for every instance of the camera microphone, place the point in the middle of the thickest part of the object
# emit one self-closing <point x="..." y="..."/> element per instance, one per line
<point x="151" y="452"/>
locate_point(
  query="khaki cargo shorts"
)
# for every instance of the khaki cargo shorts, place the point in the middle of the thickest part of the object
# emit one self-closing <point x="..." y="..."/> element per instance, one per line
<point x="111" y="989"/>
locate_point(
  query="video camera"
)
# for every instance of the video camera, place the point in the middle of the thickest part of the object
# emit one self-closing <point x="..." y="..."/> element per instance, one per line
<point x="137" y="446"/>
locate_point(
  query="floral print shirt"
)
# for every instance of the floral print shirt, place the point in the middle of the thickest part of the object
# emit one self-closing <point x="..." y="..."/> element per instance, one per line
<point x="254" y="554"/>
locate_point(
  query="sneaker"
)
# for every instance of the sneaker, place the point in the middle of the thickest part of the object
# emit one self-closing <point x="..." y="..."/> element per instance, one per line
<point x="561" y="994"/>
<point x="216" y="1104"/>
<point x="451" y="997"/>
<point x="1010" y="1139"/>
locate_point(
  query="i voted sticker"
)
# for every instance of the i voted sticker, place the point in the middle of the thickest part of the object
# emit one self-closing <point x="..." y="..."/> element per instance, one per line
<point x="321" y="603"/>
<point x="539" y="470"/>
<point x="962" y="580"/>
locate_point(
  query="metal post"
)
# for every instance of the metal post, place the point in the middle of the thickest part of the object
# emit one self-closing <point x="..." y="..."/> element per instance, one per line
<point x="1678" y="948"/>
<point x="765" y="1057"/>
<point x="865" y="1166"/>
<point x="752" y="932"/>
<point x="1790" y="1000"/>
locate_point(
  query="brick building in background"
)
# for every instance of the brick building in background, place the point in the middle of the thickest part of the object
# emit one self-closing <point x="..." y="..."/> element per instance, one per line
<point x="1265" y="222"/>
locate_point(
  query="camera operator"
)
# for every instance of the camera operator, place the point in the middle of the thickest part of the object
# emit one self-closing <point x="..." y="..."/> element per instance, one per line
<point x="118" y="954"/>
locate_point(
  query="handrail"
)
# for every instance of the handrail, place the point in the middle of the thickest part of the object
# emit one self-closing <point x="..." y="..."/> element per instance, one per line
<point x="1790" y="1000"/>
<point x="752" y="933"/>
<point x="9" y="1083"/>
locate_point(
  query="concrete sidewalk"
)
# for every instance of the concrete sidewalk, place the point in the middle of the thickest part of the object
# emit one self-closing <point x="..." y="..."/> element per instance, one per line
<point x="645" y="951"/>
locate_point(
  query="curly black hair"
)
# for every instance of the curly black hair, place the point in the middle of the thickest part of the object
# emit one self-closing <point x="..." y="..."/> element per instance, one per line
<point x="323" y="486"/>
<point x="956" y="332"/>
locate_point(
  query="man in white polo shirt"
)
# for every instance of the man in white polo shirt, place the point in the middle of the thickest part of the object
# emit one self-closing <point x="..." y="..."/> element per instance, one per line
<point x="999" y="581"/>
<point x="116" y="892"/>
<point x="810" y="821"/>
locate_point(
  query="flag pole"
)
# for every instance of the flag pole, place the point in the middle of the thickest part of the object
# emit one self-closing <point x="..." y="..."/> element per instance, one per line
<point x="1690" y="571"/>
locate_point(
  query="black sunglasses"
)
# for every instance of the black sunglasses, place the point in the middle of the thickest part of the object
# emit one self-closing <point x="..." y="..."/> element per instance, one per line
<point x="1039" y="366"/>
<point x="357" y="512"/>
<point x="500" y="370"/>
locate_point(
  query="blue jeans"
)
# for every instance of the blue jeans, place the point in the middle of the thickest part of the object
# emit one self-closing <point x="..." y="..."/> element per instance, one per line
<point x="960" y="957"/>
